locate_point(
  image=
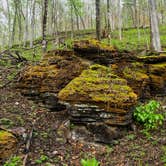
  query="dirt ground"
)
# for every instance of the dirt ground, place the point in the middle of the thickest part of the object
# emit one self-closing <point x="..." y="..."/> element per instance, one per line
<point x="136" y="148"/>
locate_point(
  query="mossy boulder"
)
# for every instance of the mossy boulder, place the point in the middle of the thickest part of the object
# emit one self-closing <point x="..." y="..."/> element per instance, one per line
<point x="157" y="75"/>
<point x="92" y="46"/>
<point x="99" y="87"/>
<point x="8" y="144"/>
<point x="136" y="75"/>
<point x="101" y="101"/>
<point x="54" y="72"/>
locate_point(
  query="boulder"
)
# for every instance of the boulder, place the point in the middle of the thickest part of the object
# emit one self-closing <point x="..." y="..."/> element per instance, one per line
<point x="157" y="76"/>
<point x="43" y="81"/>
<point x="8" y="144"/>
<point x="99" y="99"/>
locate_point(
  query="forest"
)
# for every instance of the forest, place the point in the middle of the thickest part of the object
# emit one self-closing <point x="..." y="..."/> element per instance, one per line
<point x="83" y="83"/>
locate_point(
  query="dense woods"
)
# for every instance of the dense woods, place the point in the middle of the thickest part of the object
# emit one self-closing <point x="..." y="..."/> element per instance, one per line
<point x="82" y="82"/>
<point x="26" y="20"/>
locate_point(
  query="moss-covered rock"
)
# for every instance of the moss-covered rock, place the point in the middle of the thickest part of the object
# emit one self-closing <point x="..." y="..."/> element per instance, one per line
<point x="92" y="46"/>
<point x="99" y="100"/>
<point x="100" y="86"/>
<point x="136" y="75"/>
<point x="157" y="75"/>
<point x="54" y="72"/>
<point x="7" y="144"/>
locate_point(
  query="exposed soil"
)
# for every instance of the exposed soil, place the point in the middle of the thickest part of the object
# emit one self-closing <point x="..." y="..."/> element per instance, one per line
<point x="50" y="135"/>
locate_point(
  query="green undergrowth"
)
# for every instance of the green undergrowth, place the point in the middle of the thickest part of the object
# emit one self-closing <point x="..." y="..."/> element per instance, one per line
<point x="149" y="115"/>
<point x="130" y="40"/>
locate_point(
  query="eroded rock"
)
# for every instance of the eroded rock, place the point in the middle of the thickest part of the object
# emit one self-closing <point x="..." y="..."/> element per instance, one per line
<point x="99" y="99"/>
<point x="43" y="81"/>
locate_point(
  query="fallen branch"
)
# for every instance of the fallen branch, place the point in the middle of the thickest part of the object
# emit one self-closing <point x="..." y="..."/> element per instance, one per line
<point x="28" y="144"/>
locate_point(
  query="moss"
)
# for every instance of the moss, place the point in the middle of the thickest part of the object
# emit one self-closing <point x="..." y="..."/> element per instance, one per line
<point x="98" y="84"/>
<point x="93" y="44"/>
<point x="158" y="68"/>
<point x="5" y="136"/>
<point x="157" y="81"/>
<point x="7" y="144"/>
<point x="135" y="71"/>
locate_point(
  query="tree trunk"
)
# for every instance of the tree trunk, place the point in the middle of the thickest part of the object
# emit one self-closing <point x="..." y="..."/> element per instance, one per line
<point x="9" y="23"/>
<point x="32" y="23"/>
<point x="26" y="24"/>
<point x="98" y="20"/>
<point x="154" y="27"/>
<point x="108" y="15"/>
<point x="44" y="43"/>
<point x="120" y="19"/>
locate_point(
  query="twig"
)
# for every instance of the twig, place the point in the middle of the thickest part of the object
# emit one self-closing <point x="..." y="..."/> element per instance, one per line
<point x="28" y="144"/>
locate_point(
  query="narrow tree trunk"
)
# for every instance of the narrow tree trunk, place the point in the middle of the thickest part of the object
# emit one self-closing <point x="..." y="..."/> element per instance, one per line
<point x="108" y="15"/>
<point x="26" y="25"/>
<point x="9" y="23"/>
<point x="98" y="20"/>
<point x="72" y="22"/>
<point x="32" y="23"/>
<point x="44" y="27"/>
<point x="154" y="26"/>
<point x="120" y="19"/>
<point x="14" y="25"/>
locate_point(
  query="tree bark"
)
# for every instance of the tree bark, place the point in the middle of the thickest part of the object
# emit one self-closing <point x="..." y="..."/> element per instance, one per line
<point x="44" y="43"/>
<point x="26" y="24"/>
<point x="98" y="20"/>
<point x="154" y="27"/>
<point x="120" y="19"/>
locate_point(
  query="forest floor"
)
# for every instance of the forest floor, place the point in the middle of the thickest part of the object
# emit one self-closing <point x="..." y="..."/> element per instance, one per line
<point x="136" y="148"/>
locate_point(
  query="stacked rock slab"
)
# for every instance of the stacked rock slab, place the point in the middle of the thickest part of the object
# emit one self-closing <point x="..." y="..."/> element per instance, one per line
<point x="43" y="81"/>
<point x="99" y="99"/>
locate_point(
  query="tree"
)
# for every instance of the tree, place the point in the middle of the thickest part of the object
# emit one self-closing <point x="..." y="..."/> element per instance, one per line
<point x="33" y="3"/>
<point x="120" y="19"/>
<point x="154" y="26"/>
<point x="98" y="20"/>
<point x="108" y="15"/>
<point x="44" y="27"/>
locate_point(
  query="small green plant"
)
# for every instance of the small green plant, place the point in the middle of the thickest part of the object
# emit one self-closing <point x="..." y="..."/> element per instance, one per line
<point x="148" y="115"/>
<point x="89" y="162"/>
<point x="131" y="137"/>
<point x="42" y="159"/>
<point x="14" y="161"/>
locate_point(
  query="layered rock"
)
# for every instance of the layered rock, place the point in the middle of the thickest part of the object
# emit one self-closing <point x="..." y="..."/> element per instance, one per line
<point x="157" y="75"/>
<point x="55" y="71"/>
<point x="98" y="52"/>
<point x="8" y="144"/>
<point x="146" y="76"/>
<point x="98" y="97"/>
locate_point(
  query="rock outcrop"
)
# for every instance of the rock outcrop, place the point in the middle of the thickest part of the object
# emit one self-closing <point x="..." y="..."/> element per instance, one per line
<point x="98" y="52"/>
<point x="43" y="81"/>
<point x="99" y="99"/>
<point x="8" y="144"/>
